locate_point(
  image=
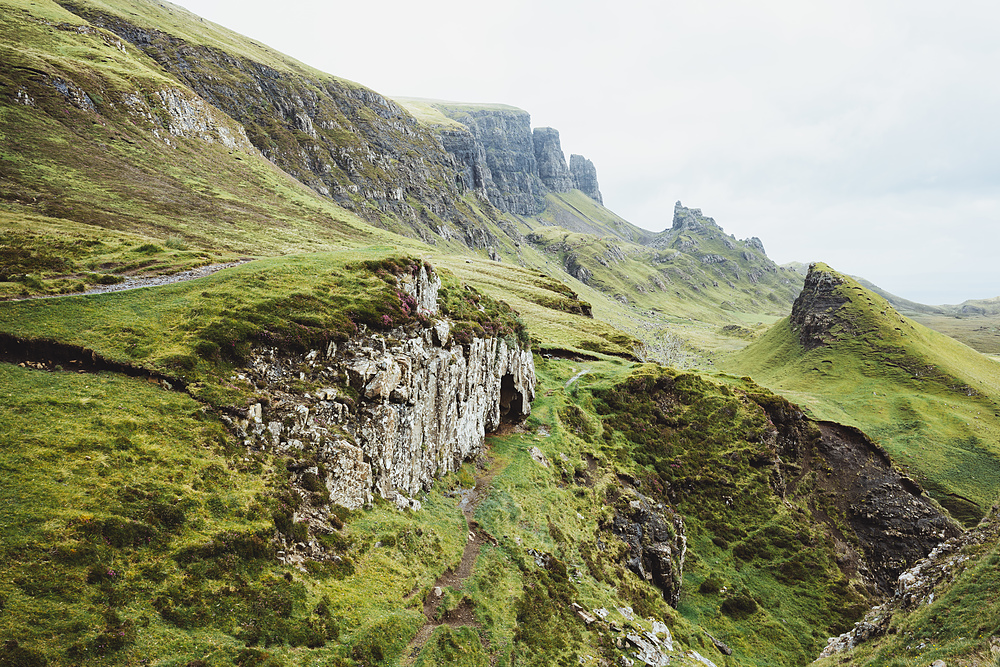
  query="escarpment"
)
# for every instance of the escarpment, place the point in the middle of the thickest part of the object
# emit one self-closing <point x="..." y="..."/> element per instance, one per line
<point x="552" y="167"/>
<point x="881" y="520"/>
<point x="342" y="140"/>
<point x="385" y="413"/>
<point x="515" y="167"/>
<point x="585" y="177"/>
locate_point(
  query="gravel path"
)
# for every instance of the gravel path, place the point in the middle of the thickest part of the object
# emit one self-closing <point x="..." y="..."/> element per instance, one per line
<point x="155" y="281"/>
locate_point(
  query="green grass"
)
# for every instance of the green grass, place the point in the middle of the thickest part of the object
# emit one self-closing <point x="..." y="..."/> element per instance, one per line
<point x="134" y="527"/>
<point x="195" y="331"/>
<point x="958" y="626"/>
<point x="980" y="332"/>
<point x="931" y="401"/>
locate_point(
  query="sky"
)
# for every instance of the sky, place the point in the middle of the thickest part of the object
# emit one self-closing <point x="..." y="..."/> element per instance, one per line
<point x="863" y="134"/>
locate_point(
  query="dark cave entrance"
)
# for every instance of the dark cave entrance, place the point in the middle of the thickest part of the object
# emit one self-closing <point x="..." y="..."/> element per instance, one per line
<point x="511" y="401"/>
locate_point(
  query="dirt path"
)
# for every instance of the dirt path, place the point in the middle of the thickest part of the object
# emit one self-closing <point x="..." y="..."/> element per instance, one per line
<point x="464" y="614"/>
<point x="138" y="283"/>
<point x="577" y="377"/>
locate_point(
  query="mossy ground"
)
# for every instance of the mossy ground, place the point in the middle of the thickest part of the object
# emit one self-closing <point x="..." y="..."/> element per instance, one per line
<point x="960" y="625"/>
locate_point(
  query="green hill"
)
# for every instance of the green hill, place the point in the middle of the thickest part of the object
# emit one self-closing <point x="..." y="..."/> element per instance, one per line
<point x="323" y="454"/>
<point x="846" y="355"/>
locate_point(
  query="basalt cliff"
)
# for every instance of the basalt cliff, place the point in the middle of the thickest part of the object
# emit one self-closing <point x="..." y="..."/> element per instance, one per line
<point x="313" y="383"/>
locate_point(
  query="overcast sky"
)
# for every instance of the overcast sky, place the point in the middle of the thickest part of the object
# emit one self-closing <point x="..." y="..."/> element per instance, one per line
<point x="859" y="133"/>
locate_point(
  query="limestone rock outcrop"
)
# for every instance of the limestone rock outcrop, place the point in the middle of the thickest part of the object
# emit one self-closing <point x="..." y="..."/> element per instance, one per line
<point x="584" y="175"/>
<point x="551" y="161"/>
<point x="386" y="413"/>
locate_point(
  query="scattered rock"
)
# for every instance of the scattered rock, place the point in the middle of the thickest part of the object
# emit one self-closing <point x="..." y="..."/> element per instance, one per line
<point x="538" y="456"/>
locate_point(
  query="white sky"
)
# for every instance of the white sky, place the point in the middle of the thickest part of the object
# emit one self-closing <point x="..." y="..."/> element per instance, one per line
<point x="860" y="133"/>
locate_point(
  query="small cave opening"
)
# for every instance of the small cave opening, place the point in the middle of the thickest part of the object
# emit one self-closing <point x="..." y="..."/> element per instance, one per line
<point x="511" y="401"/>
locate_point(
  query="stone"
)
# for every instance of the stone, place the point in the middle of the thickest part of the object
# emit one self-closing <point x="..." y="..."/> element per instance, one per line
<point x="585" y="177"/>
<point x="424" y="405"/>
<point x="657" y="544"/>
<point x="539" y="457"/>
<point x="514" y="185"/>
<point x="814" y="313"/>
<point x="550" y="159"/>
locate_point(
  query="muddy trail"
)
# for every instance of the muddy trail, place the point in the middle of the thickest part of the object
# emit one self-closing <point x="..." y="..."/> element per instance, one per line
<point x="455" y="578"/>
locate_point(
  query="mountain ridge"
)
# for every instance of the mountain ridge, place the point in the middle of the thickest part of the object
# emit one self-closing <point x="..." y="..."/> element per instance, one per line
<point x="209" y="472"/>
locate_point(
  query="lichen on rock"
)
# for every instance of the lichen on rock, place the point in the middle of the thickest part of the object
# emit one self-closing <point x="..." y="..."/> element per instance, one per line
<point x="385" y="413"/>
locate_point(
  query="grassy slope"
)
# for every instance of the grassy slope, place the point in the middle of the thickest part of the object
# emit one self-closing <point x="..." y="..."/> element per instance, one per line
<point x="930" y="400"/>
<point x="960" y="625"/>
<point x="71" y="175"/>
<point x="116" y="196"/>
<point x="151" y="537"/>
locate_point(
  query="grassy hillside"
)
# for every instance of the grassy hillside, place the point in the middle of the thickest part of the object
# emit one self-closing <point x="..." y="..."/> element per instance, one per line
<point x="951" y="615"/>
<point x="930" y="400"/>
<point x="139" y="529"/>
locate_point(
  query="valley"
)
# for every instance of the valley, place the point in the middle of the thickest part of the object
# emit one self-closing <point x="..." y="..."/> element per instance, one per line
<point x="398" y="389"/>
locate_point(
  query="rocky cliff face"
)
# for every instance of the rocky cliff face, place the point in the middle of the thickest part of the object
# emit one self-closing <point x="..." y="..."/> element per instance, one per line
<point x="551" y="162"/>
<point x="473" y="172"/>
<point x="890" y="522"/>
<point x="814" y="312"/>
<point x="515" y="166"/>
<point x="657" y="543"/>
<point x="383" y="414"/>
<point x="585" y="177"/>
<point x="342" y="140"/>
<point x="504" y="137"/>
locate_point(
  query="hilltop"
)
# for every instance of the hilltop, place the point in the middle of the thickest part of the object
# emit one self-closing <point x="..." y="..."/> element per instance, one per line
<point x="409" y="422"/>
<point x="847" y="355"/>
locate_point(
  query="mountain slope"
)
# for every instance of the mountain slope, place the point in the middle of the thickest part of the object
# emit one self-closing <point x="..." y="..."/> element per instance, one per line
<point x="287" y="462"/>
<point x="946" y="608"/>
<point x="848" y="356"/>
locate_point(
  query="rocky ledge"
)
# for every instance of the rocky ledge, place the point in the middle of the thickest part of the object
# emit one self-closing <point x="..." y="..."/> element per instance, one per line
<point x="382" y="414"/>
<point x="814" y="311"/>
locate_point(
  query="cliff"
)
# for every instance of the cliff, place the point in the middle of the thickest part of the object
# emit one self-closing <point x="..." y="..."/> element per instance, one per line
<point x="393" y="411"/>
<point x="499" y="155"/>
<point x="814" y="313"/>
<point x="585" y="177"/>
<point x="344" y="141"/>
<point x="551" y="162"/>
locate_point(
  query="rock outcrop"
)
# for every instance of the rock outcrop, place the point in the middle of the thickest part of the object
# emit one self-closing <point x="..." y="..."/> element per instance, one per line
<point x="584" y="175"/>
<point x="814" y="312"/>
<point x="890" y="522"/>
<point x="504" y="137"/>
<point x="342" y="140"/>
<point x="398" y="413"/>
<point x="383" y="414"/>
<point x="508" y="163"/>
<point x="550" y="159"/>
<point x="657" y="543"/>
<point x="918" y="586"/>
<point x="473" y="171"/>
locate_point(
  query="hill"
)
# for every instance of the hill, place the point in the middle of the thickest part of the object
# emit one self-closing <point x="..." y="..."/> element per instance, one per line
<point x="405" y="421"/>
<point x="847" y="355"/>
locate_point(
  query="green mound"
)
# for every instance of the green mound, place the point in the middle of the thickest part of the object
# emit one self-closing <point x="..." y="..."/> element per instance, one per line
<point x="846" y="355"/>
